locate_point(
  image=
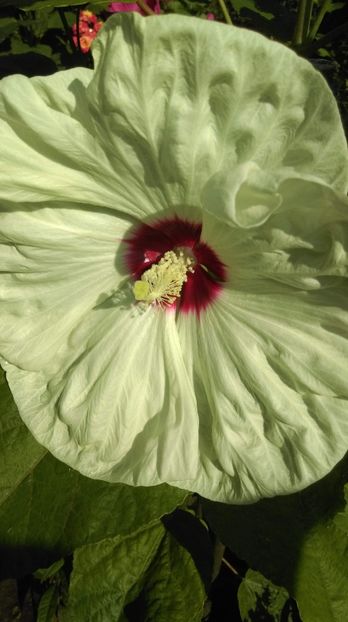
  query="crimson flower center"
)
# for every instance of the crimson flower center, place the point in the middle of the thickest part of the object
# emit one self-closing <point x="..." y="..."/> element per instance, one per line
<point x="172" y="267"/>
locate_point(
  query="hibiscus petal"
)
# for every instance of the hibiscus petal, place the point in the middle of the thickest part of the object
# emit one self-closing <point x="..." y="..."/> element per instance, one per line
<point x="299" y="241"/>
<point x="122" y="408"/>
<point x="181" y="108"/>
<point x="55" y="267"/>
<point x="271" y="386"/>
<point x="245" y="198"/>
<point x="146" y="132"/>
<point x="51" y="141"/>
<point x="104" y="384"/>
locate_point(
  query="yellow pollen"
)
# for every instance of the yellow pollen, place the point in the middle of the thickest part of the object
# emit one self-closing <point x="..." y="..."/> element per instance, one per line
<point x="163" y="282"/>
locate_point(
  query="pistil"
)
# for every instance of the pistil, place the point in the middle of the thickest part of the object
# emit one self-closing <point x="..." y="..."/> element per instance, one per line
<point x="163" y="282"/>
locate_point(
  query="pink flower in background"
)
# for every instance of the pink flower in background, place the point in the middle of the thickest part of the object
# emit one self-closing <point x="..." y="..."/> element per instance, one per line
<point x="210" y="16"/>
<point x="119" y="7"/>
<point x="89" y="25"/>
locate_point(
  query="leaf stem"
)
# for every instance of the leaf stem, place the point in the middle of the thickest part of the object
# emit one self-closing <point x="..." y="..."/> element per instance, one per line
<point x="308" y="17"/>
<point x="77" y="22"/>
<point x="323" y="10"/>
<point x="144" y="7"/>
<point x="66" y="27"/>
<point x="304" y="14"/>
<point x="225" y="12"/>
<point x="230" y="567"/>
<point x="313" y="46"/>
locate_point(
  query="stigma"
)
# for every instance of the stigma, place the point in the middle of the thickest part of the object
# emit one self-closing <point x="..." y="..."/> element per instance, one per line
<point x="162" y="284"/>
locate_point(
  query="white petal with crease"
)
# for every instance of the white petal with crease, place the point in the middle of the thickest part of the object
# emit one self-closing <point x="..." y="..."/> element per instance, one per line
<point x="55" y="268"/>
<point x="271" y="385"/>
<point x="123" y="407"/>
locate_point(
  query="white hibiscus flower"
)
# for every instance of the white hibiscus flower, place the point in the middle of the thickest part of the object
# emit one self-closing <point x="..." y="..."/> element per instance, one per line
<point x="173" y="243"/>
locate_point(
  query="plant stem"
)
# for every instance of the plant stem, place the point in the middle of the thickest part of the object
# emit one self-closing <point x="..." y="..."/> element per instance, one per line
<point x="307" y="20"/>
<point x="323" y="10"/>
<point x="298" y="32"/>
<point x="77" y="22"/>
<point x="230" y="567"/>
<point x="144" y="7"/>
<point x="226" y="14"/>
<point x="66" y="27"/>
<point x="304" y="13"/>
<point x="319" y="43"/>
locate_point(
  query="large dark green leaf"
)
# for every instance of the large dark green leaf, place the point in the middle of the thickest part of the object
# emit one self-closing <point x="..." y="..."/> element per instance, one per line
<point x="322" y="574"/>
<point x="110" y="573"/>
<point x="173" y="588"/>
<point x="48" y="509"/>
<point x="18" y="450"/>
<point x="299" y="542"/>
<point x="104" y="574"/>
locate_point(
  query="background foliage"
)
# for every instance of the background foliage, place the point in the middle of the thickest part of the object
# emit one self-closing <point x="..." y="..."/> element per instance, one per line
<point x="79" y="550"/>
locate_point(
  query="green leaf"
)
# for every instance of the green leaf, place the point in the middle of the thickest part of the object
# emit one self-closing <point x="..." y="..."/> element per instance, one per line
<point x="97" y="6"/>
<point x="19" y="451"/>
<point x="38" y="24"/>
<point x="193" y="534"/>
<point x="341" y="518"/>
<point x="28" y="59"/>
<point x="321" y="577"/>
<point x="185" y="7"/>
<point x="48" y="509"/>
<point x="51" y="4"/>
<point x="8" y="25"/>
<point x="19" y="47"/>
<point x="257" y="595"/>
<point x="173" y="589"/>
<point x="48" y="605"/>
<point x="104" y="574"/>
<point x="335" y="6"/>
<point x="108" y="575"/>
<point x="324" y="53"/>
<point x="43" y="574"/>
<point x="299" y="541"/>
<point x="252" y="5"/>
<point x="176" y="6"/>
